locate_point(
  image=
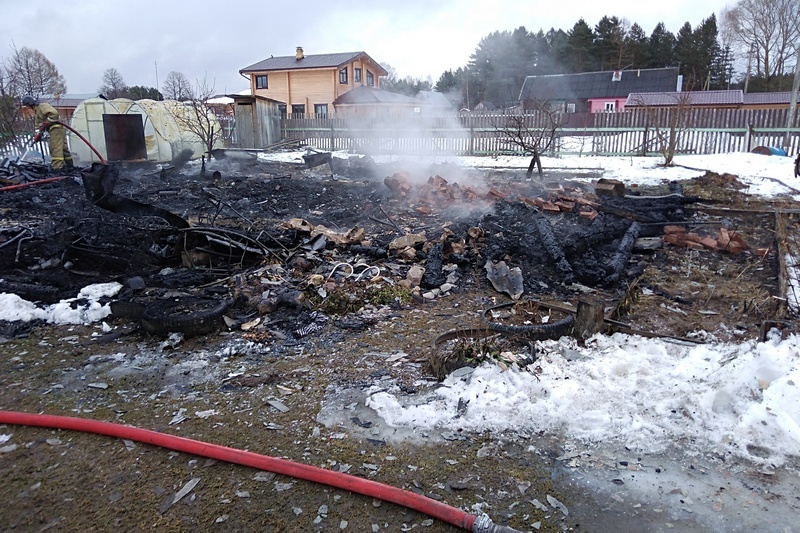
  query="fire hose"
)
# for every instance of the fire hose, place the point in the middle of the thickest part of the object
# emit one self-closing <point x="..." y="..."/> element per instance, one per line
<point x="476" y="523"/>
<point x="81" y="137"/>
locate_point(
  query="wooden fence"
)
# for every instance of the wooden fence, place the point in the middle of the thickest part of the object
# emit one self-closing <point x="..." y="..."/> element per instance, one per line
<point x="638" y="132"/>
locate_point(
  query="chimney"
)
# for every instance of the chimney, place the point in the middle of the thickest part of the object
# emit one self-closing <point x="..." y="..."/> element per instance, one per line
<point x="299" y="53"/>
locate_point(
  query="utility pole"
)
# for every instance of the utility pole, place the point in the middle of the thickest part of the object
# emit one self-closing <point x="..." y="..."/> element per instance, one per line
<point x="749" y="64"/>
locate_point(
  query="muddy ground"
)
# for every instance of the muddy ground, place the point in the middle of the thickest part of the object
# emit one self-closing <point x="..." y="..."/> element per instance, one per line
<point x="284" y="375"/>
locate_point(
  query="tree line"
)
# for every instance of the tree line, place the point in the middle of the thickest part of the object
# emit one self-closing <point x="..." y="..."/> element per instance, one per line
<point x="750" y="47"/>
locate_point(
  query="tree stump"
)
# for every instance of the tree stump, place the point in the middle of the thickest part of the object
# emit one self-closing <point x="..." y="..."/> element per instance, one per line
<point x="589" y="319"/>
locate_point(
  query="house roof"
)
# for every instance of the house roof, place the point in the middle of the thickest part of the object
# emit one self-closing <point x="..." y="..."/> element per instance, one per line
<point x="670" y="98"/>
<point x="434" y="99"/>
<point x="604" y="84"/>
<point x="778" y="97"/>
<point x="369" y="95"/>
<point x="66" y="100"/>
<point x="309" y="61"/>
<point x="734" y="97"/>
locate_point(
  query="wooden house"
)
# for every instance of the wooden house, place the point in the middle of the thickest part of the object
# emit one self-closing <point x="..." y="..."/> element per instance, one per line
<point x="311" y="84"/>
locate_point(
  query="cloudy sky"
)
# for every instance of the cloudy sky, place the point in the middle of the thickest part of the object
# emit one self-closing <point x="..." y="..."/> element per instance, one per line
<point x="147" y="39"/>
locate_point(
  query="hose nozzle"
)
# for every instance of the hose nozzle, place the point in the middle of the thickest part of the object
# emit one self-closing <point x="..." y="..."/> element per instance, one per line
<point x="484" y="524"/>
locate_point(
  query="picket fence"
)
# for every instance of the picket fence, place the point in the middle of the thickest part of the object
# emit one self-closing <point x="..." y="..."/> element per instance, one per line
<point x="638" y="132"/>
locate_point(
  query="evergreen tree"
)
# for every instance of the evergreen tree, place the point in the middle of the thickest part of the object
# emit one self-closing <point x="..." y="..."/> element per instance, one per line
<point x="501" y="62"/>
<point x="638" y="46"/>
<point x="662" y="47"/>
<point x="722" y="69"/>
<point x="707" y="51"/>
<point x="549" y="50"/>
<point x="609" y="44"/>
<point x="578" y="55"/>
<point x="140" y="92"/>
<point x="451" y="84"/>
<point x="688" y="58"/>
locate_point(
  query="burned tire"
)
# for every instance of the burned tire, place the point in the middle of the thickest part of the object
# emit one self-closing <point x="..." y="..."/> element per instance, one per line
<point x="126" y="309"/>
<point x="190" y="316"/>
<point x="30" y="291"/>
<point x="538" y="332"/>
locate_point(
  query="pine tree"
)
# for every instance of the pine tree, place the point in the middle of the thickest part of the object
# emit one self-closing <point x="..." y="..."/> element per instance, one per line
<point x="688" y="58"/>
<point x="608" y="46"/>
<point x="662" y="47"/>
<point x="638" y="47"/>
<point x="578" y="50"/>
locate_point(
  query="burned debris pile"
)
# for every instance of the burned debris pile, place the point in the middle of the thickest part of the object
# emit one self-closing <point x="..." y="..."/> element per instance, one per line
<point x="265" y="240"/>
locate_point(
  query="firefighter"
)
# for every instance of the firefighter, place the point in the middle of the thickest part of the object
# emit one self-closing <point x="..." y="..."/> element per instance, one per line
<point x="47" y="118"/>
<point x="797" y="166"/>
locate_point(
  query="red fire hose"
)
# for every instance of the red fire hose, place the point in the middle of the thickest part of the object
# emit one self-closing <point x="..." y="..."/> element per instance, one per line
<point x="423" y="504"/>
<point x="31" y="183"/>
<point x="70" y="128"/>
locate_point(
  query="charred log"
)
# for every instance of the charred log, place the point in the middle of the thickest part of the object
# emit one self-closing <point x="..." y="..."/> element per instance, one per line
<point x="434" y="276"/>
<point x="618" y="263"/>
<point x="553" y="248"/>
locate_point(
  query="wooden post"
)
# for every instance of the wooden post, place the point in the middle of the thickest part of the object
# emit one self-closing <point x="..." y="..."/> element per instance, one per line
<point x="589" y="319"/>
<point x="471" y="140"/>
<point x="644" y="143"/>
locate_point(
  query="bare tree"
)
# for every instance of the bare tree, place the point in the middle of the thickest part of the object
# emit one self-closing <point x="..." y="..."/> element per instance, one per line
<point x="29" y="72"/>
<point x="534" y="132"/>
<point x="195" y="115"/>
<point x="113" y="84"/>
<point x="177" y="87"/>
<point x="10" y="118"/>
<point x="768" y="28"/>
<point x="668" y="123"/>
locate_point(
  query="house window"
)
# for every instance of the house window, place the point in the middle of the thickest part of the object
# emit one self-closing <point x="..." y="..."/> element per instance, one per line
<point x="298" y="110"/>
<point x="370" y="79"/>
<point x="357" y="75"/>
<point x="321" y="110"/>
<point x="571" y="107"/>
<point x="610" y="107"/>
<point x="343" y="76"/>
<point x="282" y="110"/>
<point x="261" y="82"/>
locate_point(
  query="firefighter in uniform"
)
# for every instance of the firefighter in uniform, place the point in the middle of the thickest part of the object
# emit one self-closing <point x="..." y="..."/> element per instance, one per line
<point x="47" y="117"/>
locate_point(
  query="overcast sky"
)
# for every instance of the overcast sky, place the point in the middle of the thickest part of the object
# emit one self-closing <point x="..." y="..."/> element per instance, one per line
<point x="147" y="39"/>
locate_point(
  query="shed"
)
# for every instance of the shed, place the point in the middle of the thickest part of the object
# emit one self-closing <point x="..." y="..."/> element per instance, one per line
<point x="141" y="130"/>
<point x="258" y="121"/>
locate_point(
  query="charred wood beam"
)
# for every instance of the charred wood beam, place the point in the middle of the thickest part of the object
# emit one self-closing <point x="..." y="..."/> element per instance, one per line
<point x="553" y="248"/>
<point x="620" y="260"/>
<point x="391" y="220"/>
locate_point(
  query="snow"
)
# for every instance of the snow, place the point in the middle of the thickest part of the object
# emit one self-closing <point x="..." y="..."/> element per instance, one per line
<point x="85" y="308"/>
<point x="644" y="395"/>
